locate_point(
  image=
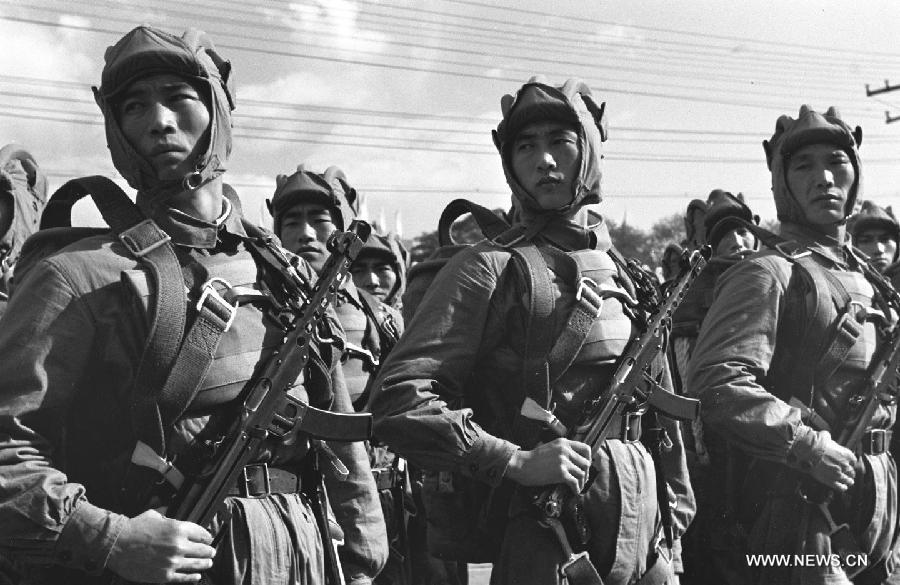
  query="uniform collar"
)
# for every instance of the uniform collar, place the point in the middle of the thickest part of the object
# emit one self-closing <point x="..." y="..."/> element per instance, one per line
<point x="815" y="240"/>
<point x="187" y="230"/>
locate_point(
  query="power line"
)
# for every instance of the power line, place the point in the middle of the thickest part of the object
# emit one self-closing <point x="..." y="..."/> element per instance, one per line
<point x="273" y="52"/>
<point x="755" y="65"/>
<point x="695" y="34"/>
<point x="556" y="62"/>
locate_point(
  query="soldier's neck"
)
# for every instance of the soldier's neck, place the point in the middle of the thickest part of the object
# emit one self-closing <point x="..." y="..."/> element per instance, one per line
<point x="204" y="203"/>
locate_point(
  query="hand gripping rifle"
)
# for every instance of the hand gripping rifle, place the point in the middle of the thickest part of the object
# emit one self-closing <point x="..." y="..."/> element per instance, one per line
<point x="632" y="390"/>
<point x="882" y="384"/>
<point x="268" y="411"/>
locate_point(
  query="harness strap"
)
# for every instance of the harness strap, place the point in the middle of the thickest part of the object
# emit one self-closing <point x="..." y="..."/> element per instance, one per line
<point x="577" y="568"/>
<point x="539" y="329"/>
<point x="491" y="224"/>
<point x="152" y="247"/>
<point x="387" y="336"/>
<point x="822" y="347"/>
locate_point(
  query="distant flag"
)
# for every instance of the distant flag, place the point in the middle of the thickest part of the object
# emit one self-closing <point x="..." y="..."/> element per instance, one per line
<point x="265" y="218"/>
<point x="381" y="221"/>
<point x="398" y="224"/>
<point x="363" y="202"/>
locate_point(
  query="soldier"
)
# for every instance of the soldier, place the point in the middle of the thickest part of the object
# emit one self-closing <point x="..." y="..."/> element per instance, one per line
<point x="781" y="368"/>
<point x="380" y="269"/>
<point x="671" y="262"/>
<point x="710" y="537"/>
<point x="307" y="208"/>
<point x="694" y="224"/>
<point x="876" y="233"/>
<point x="449" y="395"/>
<point x="75" y="391"/>
<point x="23" y="195"/>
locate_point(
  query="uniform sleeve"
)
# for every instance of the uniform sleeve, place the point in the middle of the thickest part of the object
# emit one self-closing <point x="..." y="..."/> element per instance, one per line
<point x="417" y="400"/>
<point x="355" y="501"/>
<point x="45" y="337"/>
<point x="731" y="361"/>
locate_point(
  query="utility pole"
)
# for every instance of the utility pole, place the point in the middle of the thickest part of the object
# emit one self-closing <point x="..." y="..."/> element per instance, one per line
<point x="887" y="87"/>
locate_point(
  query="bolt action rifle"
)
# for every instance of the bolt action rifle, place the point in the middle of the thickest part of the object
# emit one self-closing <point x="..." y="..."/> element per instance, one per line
<point x="633" y="390"/>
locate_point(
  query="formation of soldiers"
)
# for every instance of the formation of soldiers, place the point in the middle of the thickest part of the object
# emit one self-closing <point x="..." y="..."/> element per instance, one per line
<point x="135" y="360"/>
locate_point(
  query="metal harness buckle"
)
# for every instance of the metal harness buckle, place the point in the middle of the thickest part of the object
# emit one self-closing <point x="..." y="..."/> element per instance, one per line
<point x="583" y="283"/>
<point x="877" y="441"/>
<point x="209" y="291"/>
<point x="249" y="481"/>
<point x="131" y="243"/>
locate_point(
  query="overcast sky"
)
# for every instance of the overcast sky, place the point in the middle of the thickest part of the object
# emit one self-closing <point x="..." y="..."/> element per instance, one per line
<point x="403" y="94"/>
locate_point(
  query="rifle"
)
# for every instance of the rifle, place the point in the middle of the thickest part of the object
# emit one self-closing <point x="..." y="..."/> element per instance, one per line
<point x="882" y="384"/>
<point x="267" y="410"/>
<point x="632" y="390"/>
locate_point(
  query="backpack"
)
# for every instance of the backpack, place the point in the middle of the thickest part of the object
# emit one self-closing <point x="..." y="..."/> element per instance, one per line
<point x="465" y="517"/>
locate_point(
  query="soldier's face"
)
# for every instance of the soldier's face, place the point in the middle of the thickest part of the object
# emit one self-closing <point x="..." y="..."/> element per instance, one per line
<point x="305" y="229"/>
<point x="820" y="177"/>
<point x="736" y="244"/>
<point x="165" y="119"/>
<point x="545" y="160"/>
<point x="374" y="274"/>
<point x="879" y="245"/>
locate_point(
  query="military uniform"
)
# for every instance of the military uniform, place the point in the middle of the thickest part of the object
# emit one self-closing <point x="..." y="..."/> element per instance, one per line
<point x="24" y="187"/>
<point x="449" y="395"/>
<point x="775" y="394"/>
<point x="72" y="343"/>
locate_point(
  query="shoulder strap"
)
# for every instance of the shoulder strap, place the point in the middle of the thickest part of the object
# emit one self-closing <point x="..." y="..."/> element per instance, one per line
<point x="173" y="362"/>
<point x="490" y="223"/>
<point x="539" y="328"/>
<point x="151" y="246"/>
<point x="824" y="342"/>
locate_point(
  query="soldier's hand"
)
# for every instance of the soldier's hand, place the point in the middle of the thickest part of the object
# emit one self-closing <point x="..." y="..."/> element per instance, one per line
<point x="559" y="461"/>
<point x="835" y="467"/>
<point x="155" y="549"/>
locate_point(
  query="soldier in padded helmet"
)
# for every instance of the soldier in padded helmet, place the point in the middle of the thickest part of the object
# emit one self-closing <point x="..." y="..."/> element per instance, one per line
<point x="727" y="225"/>
<point x="876" y="233"/>
<point x="380" y="268"/>
<point x="451" y="394"/>
<point x="124" y="361"/>
<point x="308" y="207"/>
<point x="781" y="366"/>
<point x="23" y="195"/>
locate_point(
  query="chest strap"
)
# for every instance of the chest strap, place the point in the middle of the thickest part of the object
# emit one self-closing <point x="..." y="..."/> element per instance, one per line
<point x="153" y="249"/>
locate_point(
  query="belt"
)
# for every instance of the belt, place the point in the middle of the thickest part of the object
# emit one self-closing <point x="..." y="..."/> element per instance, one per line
<point x="876" y="441"/>
<point x="259" y="480"/>
<point x="387" y="477"/>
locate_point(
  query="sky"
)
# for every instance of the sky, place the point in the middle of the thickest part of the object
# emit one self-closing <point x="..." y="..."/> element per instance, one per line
<point x="402" y="95"/>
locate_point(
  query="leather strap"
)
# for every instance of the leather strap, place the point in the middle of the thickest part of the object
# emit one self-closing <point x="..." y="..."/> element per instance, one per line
<point x="658" y="573"/>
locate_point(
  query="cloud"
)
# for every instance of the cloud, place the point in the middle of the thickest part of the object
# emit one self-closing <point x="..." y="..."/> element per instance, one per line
<point x="339" y="19"/>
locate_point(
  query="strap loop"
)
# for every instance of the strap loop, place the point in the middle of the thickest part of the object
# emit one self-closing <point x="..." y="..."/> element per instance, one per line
<point x="144" y="237"/>
<point x="209" y="293"/>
